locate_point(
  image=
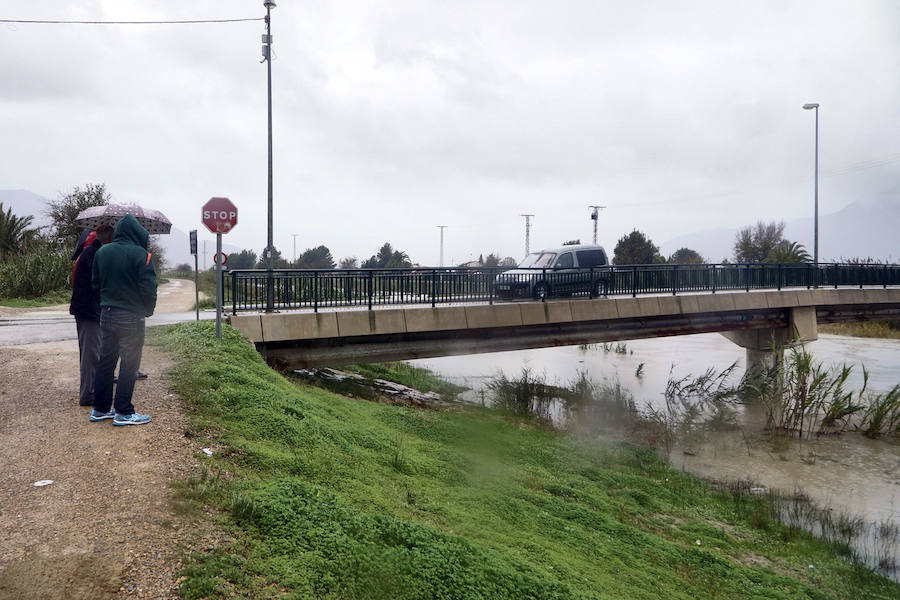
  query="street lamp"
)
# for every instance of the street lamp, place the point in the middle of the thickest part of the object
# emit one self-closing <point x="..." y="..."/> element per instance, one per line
<point x="442" y="228"/>
<point x="811" y="106"/>
<point x="270" y="251"/>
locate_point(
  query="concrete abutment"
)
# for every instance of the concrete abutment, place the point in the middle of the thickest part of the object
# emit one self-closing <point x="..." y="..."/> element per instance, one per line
<point x="765" y="347"/>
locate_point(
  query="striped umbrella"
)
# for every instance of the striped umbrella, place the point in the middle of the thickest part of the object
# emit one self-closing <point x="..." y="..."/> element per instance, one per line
<point x="152" y="220"/>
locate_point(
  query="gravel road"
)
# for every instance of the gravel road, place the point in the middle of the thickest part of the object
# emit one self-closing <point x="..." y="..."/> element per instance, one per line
<point x="106" y="526"/>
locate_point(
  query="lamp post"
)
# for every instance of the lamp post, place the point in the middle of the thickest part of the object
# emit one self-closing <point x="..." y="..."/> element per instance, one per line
<point x="442" y="228"/>
<point x="811" y="106"/>
<point x="270" y="251"/>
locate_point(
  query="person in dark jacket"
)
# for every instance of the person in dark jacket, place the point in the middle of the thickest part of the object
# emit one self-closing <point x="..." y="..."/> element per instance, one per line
<point x="85" y="306"/>
<point x="124" y="277"/>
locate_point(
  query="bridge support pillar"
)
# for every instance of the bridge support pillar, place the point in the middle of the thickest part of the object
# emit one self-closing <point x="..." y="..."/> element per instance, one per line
<point x="765" y="347"/>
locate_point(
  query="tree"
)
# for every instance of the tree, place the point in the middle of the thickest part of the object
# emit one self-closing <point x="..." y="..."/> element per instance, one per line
<point x="572" y="243"/>
<point x="62" y="212"/>
<point x="277" y="261"/>
<point x="765" y="242"/>
<point x="15" y="233"/>
<point x="492" y="260"/>
<point x="245" y="259"/>
<point x="636" y="249"/>
<point x="387" y="258"/>
<point x="789" y="252"/>
<point x="184" y="268"/>
<point x="686" y="256"/>
<point x="349" y="262"/>
<point x="509" y="261"/>
<point x="754" y="243"/>
<point x="159" y="255"/>
<point x="315" y="258"/>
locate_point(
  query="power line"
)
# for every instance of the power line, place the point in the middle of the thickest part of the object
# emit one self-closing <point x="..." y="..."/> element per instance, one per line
<point x="171" y="22"/>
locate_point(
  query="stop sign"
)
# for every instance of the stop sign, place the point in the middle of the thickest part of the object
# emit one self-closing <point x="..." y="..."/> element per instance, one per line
<point x="219" y="215"/>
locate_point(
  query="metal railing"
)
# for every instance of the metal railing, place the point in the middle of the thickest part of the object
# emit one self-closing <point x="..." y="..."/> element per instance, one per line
<point x="245" y="289"/>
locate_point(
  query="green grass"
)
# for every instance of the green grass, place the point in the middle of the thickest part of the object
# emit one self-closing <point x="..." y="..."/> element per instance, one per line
<point x="53" y="298"/>
<point x="327" y="496"/>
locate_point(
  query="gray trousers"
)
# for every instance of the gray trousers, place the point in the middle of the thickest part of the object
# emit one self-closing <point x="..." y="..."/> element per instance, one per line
<point x="89" y="356"/>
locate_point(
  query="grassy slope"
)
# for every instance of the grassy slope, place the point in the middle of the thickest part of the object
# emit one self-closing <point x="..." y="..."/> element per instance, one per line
<point x="340" y="498"/>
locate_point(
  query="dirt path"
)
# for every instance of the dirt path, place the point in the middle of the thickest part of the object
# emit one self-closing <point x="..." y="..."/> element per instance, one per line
<point x="105" y="527"/>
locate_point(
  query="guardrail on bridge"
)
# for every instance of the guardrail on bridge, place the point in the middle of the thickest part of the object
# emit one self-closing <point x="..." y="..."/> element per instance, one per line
<point x="245" y="289"/>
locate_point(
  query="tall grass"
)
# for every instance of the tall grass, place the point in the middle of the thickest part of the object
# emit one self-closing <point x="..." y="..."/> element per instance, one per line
<point x="803" y="397"/>
<point x="875" y="544"/>
<point x="35" y="272"/>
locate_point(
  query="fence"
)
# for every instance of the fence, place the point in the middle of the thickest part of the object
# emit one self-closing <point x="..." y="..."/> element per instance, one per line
<point x="315" y="288"/>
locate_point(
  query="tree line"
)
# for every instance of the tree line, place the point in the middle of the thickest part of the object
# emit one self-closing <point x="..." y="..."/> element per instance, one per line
<point x="757" y="243"/>
<point x="36" y="261"/>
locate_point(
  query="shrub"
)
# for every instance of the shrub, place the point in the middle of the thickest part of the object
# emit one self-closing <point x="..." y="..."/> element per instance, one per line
<point x="37" y="271"/>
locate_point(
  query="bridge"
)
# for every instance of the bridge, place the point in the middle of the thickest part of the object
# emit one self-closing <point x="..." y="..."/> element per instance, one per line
<point x="343" y="316"/>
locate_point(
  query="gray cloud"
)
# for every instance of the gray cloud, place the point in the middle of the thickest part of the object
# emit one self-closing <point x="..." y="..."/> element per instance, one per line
<point x="390" y="120"/>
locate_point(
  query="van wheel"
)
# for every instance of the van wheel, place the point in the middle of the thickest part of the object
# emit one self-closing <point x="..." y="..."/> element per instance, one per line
<point x="541" y="291"/>
<point x="600" y="288"/>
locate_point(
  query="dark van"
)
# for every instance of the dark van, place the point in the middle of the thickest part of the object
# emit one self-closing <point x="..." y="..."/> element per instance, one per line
<point x="553" y="272"/>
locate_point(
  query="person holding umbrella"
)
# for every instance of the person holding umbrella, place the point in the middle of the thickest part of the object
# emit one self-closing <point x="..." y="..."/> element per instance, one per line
<point x="85" y="306"/>
<point x="124" y="277"/>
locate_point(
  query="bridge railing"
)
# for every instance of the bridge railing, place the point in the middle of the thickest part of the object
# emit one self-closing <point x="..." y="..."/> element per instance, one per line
<point x="245" y="289"/>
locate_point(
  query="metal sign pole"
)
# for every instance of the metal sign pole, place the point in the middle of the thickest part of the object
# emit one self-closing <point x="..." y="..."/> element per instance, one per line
<point x="197" y="285"/>
<point x="218" y="286"/>
<point x="193" y="244"/>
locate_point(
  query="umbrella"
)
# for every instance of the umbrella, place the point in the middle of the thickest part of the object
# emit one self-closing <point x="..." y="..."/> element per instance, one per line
<point x="152" y="220"/>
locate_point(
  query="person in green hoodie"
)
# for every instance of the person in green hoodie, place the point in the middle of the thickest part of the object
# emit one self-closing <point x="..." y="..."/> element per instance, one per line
<point x="124" y="277"/>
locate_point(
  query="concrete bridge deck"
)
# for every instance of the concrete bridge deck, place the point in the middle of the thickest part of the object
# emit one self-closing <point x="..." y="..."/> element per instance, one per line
<point x="294" y="340"/>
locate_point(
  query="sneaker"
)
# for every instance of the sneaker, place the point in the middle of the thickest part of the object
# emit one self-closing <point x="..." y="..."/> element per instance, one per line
<point x="96" y="415"/>
<point x="134" y="419"/>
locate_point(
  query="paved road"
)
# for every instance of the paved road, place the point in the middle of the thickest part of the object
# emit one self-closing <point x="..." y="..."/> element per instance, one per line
<point x="54" y="324"/>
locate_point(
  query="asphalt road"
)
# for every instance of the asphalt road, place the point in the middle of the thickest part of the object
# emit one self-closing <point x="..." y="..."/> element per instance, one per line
<point x="53" y="324"/>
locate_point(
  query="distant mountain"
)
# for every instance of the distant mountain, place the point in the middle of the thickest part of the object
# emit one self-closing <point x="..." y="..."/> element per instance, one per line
<point x="858" y="230"/>
<point x="24" y="203"/>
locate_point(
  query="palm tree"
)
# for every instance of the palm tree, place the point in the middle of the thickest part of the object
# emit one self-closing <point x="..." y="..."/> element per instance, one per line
<point x="788" y="252"/>
<point x="14" y="232"/>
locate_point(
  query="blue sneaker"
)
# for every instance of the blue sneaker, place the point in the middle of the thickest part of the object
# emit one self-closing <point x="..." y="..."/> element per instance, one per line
<point x="134" y="419"/>
<point x="96" y="415"/>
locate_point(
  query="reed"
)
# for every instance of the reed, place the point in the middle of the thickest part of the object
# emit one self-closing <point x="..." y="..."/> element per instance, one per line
<point x="35" y="272"/>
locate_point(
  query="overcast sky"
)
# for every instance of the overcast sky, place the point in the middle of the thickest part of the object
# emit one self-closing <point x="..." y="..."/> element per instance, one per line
<point x="393" y="117"/>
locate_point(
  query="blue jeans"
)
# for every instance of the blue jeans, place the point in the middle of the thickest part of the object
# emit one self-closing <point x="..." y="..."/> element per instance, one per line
<point x="121" y="334"/>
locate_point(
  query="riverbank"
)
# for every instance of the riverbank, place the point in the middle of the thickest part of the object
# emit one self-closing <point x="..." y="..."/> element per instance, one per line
<point x="865" y="329"/>
<point x="325" y="495"/>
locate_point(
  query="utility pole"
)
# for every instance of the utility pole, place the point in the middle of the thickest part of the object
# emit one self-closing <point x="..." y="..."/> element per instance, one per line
<point x="270" y="250"/>
<point x="204" y="255"/>
<point x="294" y="235"/>
<point x="595" y="217"/>
<point x="527" y="233"/>
<point x="442" y="228"/>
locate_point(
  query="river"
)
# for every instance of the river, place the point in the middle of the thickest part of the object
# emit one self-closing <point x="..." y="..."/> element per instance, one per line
<point x="848" y="473"/>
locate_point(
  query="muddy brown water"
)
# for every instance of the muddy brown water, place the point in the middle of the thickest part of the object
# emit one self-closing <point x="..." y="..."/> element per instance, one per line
<point x="846" y="473"/>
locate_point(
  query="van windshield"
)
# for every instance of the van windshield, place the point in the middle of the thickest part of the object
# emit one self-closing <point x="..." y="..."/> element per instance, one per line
<point x="537" y="260"/>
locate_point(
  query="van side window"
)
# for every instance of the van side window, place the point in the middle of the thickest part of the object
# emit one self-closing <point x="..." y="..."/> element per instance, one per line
<point x="591" y="258"/>
<point x="565" y="261"/>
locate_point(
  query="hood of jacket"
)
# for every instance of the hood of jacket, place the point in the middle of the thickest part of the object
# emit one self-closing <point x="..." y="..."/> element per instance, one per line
<point x="129" y="231"/>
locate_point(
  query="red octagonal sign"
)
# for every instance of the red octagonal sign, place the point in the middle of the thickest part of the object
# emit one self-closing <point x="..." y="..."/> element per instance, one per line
<point x="219" y="215"/>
